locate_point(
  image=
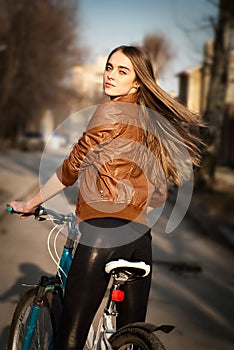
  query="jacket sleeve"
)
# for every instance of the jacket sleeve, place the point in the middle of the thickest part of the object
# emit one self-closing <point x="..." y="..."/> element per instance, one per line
<point x="103" y="127"/>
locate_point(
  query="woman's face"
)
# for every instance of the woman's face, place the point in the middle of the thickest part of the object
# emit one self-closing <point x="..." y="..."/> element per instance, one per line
<point x="119" y="78"/>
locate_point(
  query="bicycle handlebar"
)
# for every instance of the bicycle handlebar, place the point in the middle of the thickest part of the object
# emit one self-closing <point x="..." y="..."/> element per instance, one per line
<point x="41" y="211"/>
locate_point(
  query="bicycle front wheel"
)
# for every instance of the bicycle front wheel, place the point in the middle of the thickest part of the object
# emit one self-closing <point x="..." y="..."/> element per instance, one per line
<point x="46" y="326"/>
<point x="131" y="338"/>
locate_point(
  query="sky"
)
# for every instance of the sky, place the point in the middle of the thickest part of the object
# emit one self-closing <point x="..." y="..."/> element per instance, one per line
<point x="106" y="24"/>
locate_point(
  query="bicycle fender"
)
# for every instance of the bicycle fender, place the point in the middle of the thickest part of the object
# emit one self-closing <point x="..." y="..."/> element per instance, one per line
<point x="149" y="327"/>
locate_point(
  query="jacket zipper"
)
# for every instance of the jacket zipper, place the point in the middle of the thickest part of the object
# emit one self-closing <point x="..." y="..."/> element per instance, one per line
<point x="99" y="186"/>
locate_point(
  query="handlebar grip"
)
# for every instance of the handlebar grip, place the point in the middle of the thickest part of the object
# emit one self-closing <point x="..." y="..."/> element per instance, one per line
<point x="10" y="210"/>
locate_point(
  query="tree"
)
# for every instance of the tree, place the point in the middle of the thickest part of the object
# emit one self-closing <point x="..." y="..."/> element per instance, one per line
<point x="38" y="44"/>
<point x="215" y="109"/>
<point x="159" y="49"/>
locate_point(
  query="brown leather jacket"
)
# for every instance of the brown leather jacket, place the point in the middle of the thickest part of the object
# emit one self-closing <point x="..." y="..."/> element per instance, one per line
<point x="108" y="158"/>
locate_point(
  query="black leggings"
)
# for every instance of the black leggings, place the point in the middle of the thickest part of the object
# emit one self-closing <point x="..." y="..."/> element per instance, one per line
<point x="87" y="280"/>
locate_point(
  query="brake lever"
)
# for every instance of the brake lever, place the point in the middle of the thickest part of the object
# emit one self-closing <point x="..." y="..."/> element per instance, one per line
<point x="39" y="212"/>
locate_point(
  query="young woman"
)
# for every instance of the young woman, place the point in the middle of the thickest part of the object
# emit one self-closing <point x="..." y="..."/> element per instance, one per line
<point x="130" y="151"/>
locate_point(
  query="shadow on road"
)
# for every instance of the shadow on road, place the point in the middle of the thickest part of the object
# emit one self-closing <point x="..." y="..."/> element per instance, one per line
<point x="194" y="284"/>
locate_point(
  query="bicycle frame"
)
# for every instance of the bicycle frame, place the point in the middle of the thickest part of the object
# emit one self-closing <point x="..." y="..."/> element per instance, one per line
<point x="59" y="281"/>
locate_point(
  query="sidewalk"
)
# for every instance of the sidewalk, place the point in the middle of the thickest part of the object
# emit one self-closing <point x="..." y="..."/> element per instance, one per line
<point x="15" y="182"/>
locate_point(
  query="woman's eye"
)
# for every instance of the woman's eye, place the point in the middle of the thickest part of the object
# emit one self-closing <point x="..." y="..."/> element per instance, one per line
<point x="122" y="72"/>
<point x="108" y="67"/>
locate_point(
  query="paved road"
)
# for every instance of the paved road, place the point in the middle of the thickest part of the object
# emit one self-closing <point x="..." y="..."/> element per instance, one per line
<point x="192" y="288"/>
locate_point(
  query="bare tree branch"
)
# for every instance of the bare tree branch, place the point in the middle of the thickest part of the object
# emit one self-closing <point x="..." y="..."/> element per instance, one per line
<point x="159" y="49"/>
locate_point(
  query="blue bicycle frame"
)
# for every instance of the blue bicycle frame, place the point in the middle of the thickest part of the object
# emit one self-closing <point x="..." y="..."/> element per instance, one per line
<point x="64" y="266"/>
<point x="47" y="283"/>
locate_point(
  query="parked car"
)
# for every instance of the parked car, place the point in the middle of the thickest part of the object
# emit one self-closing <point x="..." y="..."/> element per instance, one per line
<point x="31" y="141"/>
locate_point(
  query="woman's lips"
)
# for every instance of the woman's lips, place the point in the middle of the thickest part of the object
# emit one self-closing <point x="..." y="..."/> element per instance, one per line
<point x="108" y="85"/>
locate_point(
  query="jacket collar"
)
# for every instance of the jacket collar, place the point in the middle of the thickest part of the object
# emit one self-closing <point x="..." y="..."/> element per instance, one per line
<point x="131" y="98"/>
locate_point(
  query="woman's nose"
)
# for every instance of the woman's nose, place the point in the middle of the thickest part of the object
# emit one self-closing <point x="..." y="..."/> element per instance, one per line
<point x="111" y="75"/>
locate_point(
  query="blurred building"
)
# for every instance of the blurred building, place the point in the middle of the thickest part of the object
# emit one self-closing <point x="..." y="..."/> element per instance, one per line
<point x="193" y="92"/>
<point x="68" y="124"/>
<point x="87" y="80"/>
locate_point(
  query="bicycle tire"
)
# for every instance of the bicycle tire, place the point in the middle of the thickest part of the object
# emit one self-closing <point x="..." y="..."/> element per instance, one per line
<point x="47" y="323"/>
<point x="134" y="338"/>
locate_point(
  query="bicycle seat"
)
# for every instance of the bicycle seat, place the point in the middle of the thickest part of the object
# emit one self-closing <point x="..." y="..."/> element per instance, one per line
<point x="139" y="269"/>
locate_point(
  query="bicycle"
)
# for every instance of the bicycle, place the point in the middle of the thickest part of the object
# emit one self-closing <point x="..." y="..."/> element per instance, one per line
<point x="36" y="317"/>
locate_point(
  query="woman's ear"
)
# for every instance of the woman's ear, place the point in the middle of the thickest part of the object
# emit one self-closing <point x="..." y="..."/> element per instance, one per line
<point x="136" y="85"/>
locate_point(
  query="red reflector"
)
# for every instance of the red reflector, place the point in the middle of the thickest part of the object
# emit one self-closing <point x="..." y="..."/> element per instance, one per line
<point x="117" y="295"/>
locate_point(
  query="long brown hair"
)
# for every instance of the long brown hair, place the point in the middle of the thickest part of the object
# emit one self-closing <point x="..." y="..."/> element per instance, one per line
<point x="178" y="119"/>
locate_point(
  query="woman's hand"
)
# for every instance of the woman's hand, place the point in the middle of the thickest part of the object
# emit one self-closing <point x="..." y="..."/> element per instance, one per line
<point x="47" y="191"/>
<point x="22" y="207"/>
